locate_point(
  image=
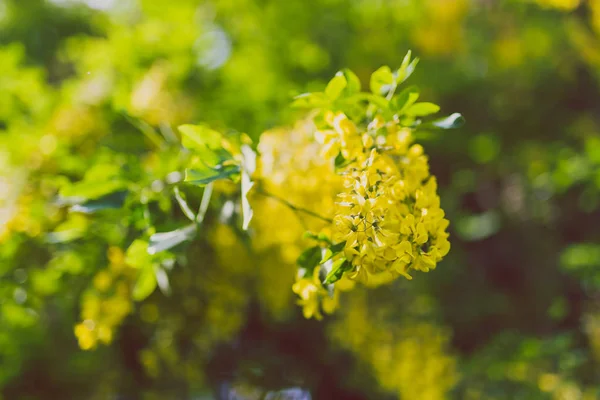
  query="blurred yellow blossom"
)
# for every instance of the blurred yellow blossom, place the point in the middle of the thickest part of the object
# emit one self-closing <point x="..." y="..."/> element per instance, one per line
<point x="106" y="304"/>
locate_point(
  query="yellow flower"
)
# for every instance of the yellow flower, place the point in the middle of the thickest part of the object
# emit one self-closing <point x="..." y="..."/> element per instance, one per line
<point x="310" y="291"/>
<point x="314" y="297"/>
<point x="85" y="336"/>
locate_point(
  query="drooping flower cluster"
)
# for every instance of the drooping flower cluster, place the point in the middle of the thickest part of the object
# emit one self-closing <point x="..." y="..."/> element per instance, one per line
<point x="389" y="213"/>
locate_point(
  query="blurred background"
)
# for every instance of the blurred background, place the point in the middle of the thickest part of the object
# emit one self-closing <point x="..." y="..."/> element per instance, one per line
<point x="513" y="312"/>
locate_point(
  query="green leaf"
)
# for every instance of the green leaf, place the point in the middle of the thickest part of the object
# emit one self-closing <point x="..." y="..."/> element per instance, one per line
<point x="341" y="162"/>
<point x="89" y="190"/>
<point x="404" y="99"/>
<point x="110" y="201"/>
<point x="336" y="86"/>
<point x="310" y="100"/>
<point x="206" y="143"/>
<point x="375" y="99"/>
<point x="145" y="284"/>
<point x="332" y="251"/>
<point x="199" y="137"/>
<point x="406" y="68"/>
<point x="327" y="254"/>
<point x="310" y="258"/>
<point x="204" y="175"/>
<point x="382" y="81"/>
<point x="353" y="83"/>
<point x="75" y="227"/>
<point x="453" y="121"/>
<point x="167" y="240"/>
<point x="422" y="109"/>
<point x="338" y="268"/>
<point x="137" y="254"/>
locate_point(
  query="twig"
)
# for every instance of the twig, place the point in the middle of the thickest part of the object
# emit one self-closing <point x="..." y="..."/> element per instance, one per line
<point x="294" y="207"/>
<point x="204" y="203"/>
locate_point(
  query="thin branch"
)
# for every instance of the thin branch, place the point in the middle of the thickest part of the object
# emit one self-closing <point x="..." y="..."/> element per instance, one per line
<point x="146" y="129"/>
<point x="183" y="204"/>
<point x="167" y="132"/>
<point x="294" y="207"/>
<point x="204" y="203"/>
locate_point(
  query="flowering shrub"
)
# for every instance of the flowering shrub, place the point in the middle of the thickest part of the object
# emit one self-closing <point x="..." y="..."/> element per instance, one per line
<point x="378" y="219"/>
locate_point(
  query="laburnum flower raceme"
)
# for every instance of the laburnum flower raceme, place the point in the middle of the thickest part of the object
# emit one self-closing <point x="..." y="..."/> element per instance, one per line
<point x="387" y="221"/>
<point x="389" y="214"/>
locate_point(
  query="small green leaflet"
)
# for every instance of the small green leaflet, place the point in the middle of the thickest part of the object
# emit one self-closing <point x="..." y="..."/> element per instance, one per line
<point x="198" y="137"/>
<point x="353" y="83"/>
<point x="204" y="175"/>
<point x="113" y="200"/>
<point x="375" y="99"/>
<point x="404" y="99"/>
<point x="406" y="68"/>
<point x="310" y="100"/>
<point x="422" y="109"/>
<point x="336" y="86"/>
<point x="214" y="161"/>
<point x="90" y="190"/>
<point x="75" y="227"/>
<point x="137" y="254"/>
<point x="338" y="267"/>
<point x="145" y="284"/>
<point x="309" y="259"/>
<point x="382" y="81"/>
<point x="332" y="251"/>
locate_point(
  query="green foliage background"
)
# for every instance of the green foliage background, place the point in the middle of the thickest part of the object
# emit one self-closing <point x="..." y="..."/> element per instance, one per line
<point x="88" y="89"/>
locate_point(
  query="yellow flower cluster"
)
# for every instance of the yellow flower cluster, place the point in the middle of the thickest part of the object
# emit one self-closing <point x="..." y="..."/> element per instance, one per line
<point x="389" y="213"/>
<point x="106" y="304"/>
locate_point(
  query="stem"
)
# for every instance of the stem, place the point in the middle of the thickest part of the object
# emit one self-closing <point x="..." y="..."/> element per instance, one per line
<point x="204" y="203"/>
<point x="167" y="132"/>
<point x="183" y="204"/>
<point x="147" y="130"/>
<point x="391" y="92"/>
<point x="294" y="207"/>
